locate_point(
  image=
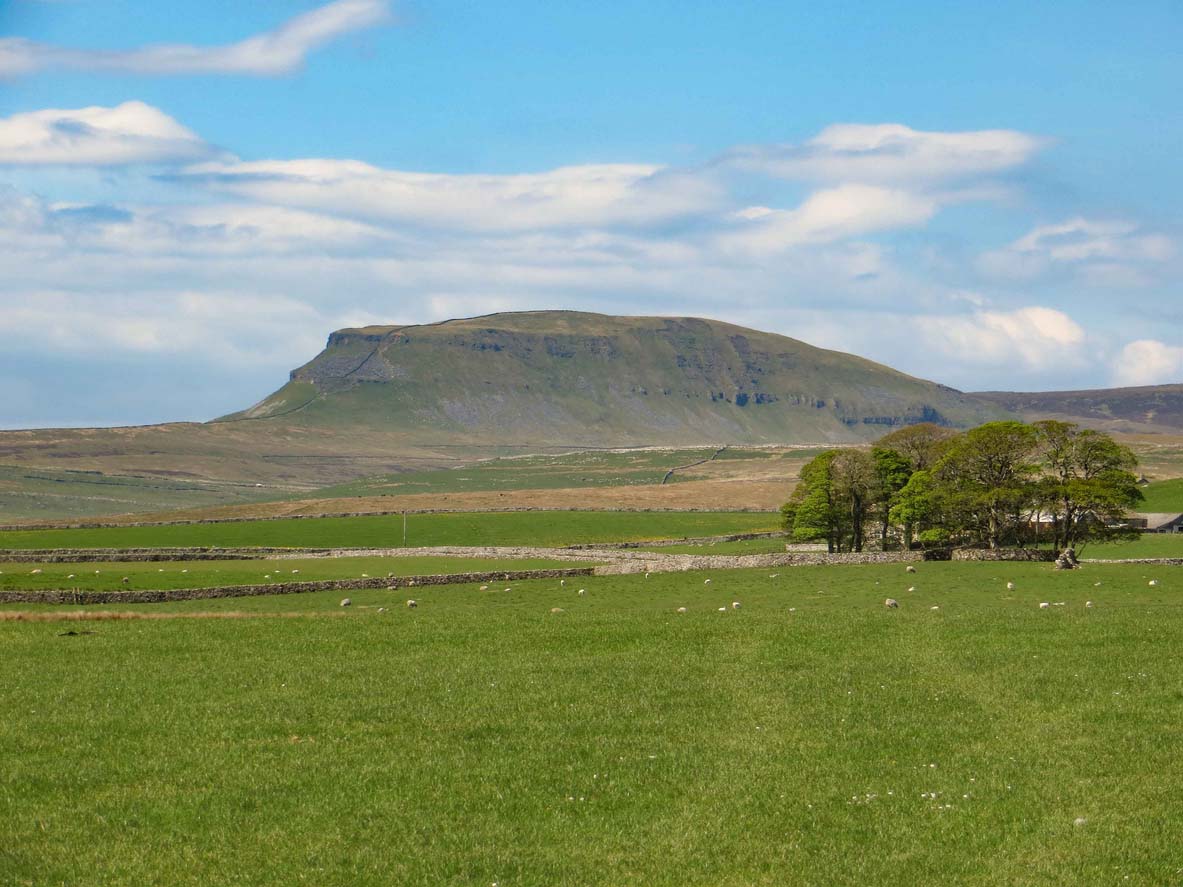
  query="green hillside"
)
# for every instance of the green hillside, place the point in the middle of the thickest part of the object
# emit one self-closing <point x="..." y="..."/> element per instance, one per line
<point x="576" y="379"/>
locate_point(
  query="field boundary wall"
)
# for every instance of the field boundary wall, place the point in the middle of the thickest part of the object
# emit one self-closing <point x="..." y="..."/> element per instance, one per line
<point x="159" y="596"/>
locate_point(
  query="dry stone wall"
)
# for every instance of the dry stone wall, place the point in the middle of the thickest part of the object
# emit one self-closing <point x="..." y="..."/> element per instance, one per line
<point x="160" y="596"/>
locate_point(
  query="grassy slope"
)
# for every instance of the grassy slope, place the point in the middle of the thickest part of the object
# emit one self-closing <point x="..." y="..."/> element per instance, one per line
<point x="512" y="528"/>
<point x="107" y="576"/>
<point x="480" y="739"/>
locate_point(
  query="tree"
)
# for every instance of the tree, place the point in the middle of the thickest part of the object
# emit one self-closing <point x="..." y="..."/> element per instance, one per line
<point x="922" y="445"/>
<point x="832" y="500"/>
<point x="988" y="477"/>
<point x="892" y="472"/>
<point x="1088" y="484"/>
<point x="810" y="514"/>
<point x="854" y="483"/>
<point x="916" y="506"/>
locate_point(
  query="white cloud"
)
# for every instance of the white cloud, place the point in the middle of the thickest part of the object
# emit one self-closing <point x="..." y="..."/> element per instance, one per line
<point x="571" y="196"/>
<point x="132" y="132"/>
<point x="278" y="51"/>
<point x="826" y="216"/>
<point x="1148" y="362"/>
<point x="889" y="152"/>
<point x="1104" y="253"/>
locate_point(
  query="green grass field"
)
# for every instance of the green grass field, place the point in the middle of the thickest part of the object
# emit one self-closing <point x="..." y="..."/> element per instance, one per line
<point x="1163" y="496"/>
<point x="811" y="737"/>
<point x="544" y="528"/>
<point x="104" y="576"/>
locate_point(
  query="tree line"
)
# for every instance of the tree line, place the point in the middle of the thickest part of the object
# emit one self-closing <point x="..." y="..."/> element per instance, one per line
<point x="997" y="485"/>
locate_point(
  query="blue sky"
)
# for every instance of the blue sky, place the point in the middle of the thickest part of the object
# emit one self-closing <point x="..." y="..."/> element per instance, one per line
<point x="192" y="195"/>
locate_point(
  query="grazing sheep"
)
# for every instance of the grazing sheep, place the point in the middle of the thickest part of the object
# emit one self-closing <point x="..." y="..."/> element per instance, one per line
<point x="891" y="603"/>
<point x="773" y="575"/>
<point x="183" y="571"/>
<point x="381" y="609"/>
<point x="294" y="572"/>
<point x="1044" y="605"/>
<point x="346" y="602"/>
<point x="1010" y="586"/>
<point x="71" y="576"/>
<point x="582" y="592"/>
<point x="934" y="608"/>
<point x="35" y="572"/>
<point x="722" y="609"/>
<point x="1088" y="603"/>
<point x="706" y="581"/>
<point x="1152" y="583"/>
<point x="557" y="610"/>
<point x="562" y="582"/>
<point x="681" y="610"/>
<point x="911" y="588"/>
<point x="484" y="588"/>
<point x="735" y="605"/>
<point x="125" y="580"/>
<point x="412" y="604"/>
<point x="909" y="569"/>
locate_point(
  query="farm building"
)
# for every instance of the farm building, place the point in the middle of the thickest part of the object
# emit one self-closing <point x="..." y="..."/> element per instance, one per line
<point x="1157" y="522"/>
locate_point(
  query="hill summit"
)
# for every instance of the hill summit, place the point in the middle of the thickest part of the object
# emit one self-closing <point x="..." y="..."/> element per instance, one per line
<point x="571" y="378"/>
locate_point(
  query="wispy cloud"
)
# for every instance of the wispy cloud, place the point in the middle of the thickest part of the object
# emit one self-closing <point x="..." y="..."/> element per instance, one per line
<point x="1101" y="252"/>
<point x="274" y="52"/>
<point x="126" y="134"/>
<point x="571" y="196"/>
<point x="889" y="153"/>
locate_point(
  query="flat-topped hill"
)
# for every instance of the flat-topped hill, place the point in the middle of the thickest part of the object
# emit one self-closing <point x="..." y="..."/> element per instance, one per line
<point x="573" y="378"/>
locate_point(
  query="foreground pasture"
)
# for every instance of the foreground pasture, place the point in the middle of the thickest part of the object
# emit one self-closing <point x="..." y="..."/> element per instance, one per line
<point x="810" y="737"/>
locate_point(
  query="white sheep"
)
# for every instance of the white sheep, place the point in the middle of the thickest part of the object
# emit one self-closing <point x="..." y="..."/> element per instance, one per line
<point x="681" y="610"/>
<point x="735" y="605"/>
<point x="36" y="572"/>
<point x="891" y="603"/>
<point x="909" y="569"/>
<point x="1152" y="583"/>
<point x="706" y="581"/>
<point x="412" y="604"/>
<point x="1044" y="605"/>
<point x="1010" y="586"/>
<point x="346" y="602"/>
<point x="582" y="592"/>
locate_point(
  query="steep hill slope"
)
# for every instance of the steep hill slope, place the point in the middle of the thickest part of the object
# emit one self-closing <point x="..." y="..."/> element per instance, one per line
<point x="577" y="379"/>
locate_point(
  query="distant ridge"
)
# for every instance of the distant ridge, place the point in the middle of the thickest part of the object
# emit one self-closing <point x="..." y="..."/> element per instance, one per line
<point x="1149" y="408"/>
<point x="550" y="377"/>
